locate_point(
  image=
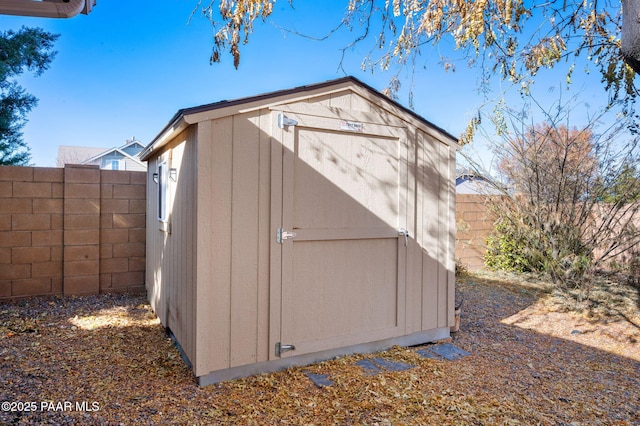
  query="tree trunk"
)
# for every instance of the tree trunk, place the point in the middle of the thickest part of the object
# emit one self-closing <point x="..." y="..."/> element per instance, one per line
<point x="631" y="33"/>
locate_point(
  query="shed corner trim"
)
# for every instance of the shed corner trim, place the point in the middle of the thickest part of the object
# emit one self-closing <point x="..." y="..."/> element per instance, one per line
<point x="173" y="128"/>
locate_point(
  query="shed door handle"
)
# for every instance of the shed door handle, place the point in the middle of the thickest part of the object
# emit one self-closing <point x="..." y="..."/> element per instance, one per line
<point x="405" y="233"/>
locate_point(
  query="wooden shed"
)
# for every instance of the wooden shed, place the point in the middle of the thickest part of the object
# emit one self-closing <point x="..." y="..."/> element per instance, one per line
<point x="299" y="225"/>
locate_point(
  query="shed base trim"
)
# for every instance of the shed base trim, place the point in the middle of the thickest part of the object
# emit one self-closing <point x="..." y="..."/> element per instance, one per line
<point x="302" y="360"/>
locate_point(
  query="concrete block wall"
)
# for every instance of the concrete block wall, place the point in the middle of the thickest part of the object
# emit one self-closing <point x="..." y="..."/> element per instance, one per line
<point x="73" y="231"/>
<point x="122" y="231"/>
<point x="31" y="231"/>
<point x="474" y="223"/>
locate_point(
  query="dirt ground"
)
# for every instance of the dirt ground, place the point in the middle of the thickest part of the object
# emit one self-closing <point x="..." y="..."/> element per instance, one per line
<point x="106" y="360"/>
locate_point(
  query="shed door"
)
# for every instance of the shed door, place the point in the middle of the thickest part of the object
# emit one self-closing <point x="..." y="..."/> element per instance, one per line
<point x="344" y="196"/>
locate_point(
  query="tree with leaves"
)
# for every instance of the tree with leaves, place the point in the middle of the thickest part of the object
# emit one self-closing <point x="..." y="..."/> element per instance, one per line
<point x="550" y="163"/>
<point x="625" y="187"/>
<point x="509" y="39"/>
<point x="26" y="49"/>
<point x="572" y="201"/>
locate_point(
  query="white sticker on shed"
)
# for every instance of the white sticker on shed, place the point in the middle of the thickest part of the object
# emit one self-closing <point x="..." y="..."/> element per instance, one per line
<point x="352" y="126"/>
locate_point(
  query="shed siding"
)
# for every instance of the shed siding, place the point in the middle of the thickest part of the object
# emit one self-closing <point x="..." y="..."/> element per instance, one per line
<point x="216" y="279"/>
<point x="207" y="300"/>
<point x="443" y="236"/>
<point x="429" y="272"/>
<point x="171" y="255"/>
<point x="431" y="223"/>
<point x="245" y="184"/>
<point x="275" y="255"/>
<point x="265" y="236"/>
<point x="214" y="160"/>
<point x="184" y="228"/>
<point x="414" y="224"/>
<point x="347" y="102"/>
<point x="234" y="158"/>
<point x="451" y="240"/>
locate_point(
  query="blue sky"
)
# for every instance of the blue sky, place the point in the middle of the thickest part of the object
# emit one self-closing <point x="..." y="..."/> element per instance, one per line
<point x="127" y="67"/>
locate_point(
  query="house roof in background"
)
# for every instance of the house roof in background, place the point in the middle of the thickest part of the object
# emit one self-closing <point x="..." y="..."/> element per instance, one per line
<point x="83" y="154"/>
<point x="111" y="151"/>
<point x="76" y="154"/>
<point x="470" y="182"/>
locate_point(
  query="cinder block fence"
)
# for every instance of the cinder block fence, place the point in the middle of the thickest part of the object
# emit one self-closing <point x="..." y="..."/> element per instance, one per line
<point x="474" y="225"/>
<point x="76" y="230"/>
<point x="80" y="230"/>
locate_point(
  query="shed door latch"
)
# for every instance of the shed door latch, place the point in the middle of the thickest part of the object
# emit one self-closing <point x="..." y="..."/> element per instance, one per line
<point x="284" y="121"/>
<point x="405" y="233"/>
<point x="282" y="235"/>
<point x="283" y="348"/>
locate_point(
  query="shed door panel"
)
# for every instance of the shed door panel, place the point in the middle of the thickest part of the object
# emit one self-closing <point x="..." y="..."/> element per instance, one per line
<point x="341" y="280"/>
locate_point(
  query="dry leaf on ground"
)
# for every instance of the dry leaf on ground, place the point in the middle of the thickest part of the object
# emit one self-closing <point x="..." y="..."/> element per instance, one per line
<point x="106" y="360"/>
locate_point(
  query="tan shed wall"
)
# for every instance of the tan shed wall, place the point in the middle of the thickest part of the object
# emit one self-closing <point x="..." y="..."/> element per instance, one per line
<point x="171" y="266"/>
<point x="233" y="303"/>
<point x="435" y="230"/>
<point x="223" y="248"/>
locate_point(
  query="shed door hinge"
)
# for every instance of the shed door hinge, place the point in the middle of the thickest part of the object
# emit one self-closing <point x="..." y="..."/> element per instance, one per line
<point x="284" y="121"/>
<point x="283" y="348"/>
<point x="282" y="235"/>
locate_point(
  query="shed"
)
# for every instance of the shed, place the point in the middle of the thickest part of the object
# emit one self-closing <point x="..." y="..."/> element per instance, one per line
<point x="299" y="225"/>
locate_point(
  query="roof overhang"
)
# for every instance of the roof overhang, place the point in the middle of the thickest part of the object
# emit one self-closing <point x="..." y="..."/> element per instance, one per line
<point x="46" y="8"/>
<point x="175" y="126"/>
<point x="187" y="116"/>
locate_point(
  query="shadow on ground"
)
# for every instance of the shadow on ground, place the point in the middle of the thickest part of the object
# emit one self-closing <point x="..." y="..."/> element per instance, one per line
<point x="119" y="357"/>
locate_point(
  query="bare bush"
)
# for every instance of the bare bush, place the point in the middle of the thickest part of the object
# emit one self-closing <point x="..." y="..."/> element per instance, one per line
<point x="572" y="204"/>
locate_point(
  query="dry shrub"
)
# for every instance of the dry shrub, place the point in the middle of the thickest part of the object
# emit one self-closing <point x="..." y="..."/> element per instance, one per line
<point x="572" y="203"/>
